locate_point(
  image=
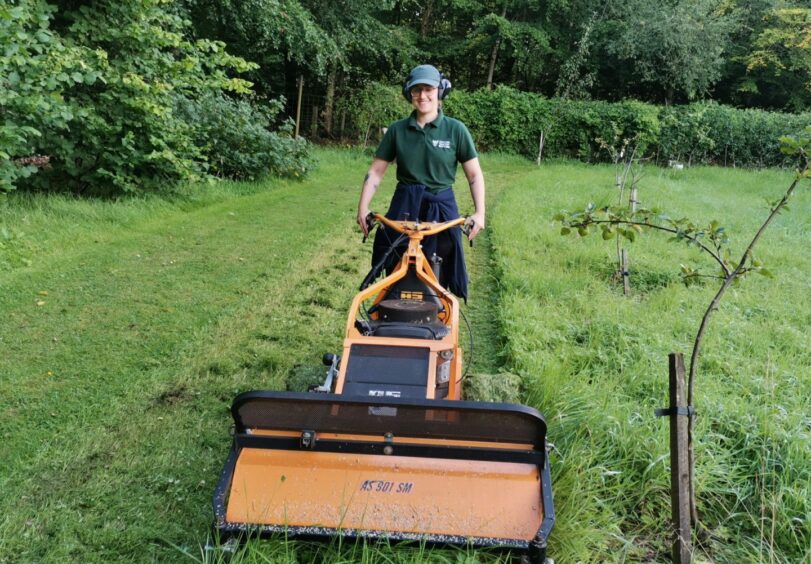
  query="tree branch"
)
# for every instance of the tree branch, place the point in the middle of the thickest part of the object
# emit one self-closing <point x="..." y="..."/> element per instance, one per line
<point x="695" y="240"/>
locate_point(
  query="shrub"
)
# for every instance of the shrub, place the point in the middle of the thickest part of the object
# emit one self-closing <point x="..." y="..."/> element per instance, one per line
<point x="708" y="133"/>
<point x="509" y="120"/>
<point x="107" y="92"/>
<point x="120" y="133"/>
<point x="506" y="119"/>
<point x="371" y="108"/>
<point x="35" y="67"/>
<point x="234" y="137"/>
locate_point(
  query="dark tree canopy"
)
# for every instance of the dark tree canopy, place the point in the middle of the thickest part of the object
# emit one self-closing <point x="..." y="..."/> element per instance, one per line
<point x="746" y="53"/>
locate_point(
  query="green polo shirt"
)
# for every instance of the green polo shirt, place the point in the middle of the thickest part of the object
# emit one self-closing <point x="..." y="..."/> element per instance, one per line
<point x="427" y="155"/>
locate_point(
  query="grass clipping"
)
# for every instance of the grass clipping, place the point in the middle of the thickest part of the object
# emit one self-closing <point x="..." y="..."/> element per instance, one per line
<point x="502" y="387"/>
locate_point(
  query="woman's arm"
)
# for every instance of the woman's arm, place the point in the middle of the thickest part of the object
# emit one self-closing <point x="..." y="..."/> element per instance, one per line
<point x="370" y="184"/>
<point x="475" y="178"/>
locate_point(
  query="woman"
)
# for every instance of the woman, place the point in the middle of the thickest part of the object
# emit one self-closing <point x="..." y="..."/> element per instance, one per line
<point x="427" y="147"/>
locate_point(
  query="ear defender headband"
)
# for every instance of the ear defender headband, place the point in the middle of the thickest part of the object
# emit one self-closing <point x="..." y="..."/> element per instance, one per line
<point x="444" y="87"/>
<point x="426" y="74"/>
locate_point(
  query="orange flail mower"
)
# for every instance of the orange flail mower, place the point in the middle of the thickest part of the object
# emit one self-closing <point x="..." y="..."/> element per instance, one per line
<point x="385" y="447"/>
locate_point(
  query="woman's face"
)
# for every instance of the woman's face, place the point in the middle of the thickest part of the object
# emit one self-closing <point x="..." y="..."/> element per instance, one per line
<point x="424" y="98"/>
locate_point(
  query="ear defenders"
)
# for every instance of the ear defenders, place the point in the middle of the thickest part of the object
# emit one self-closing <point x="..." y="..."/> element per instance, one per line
<point x="414" y="77"/>
<point x="444" y="87"/>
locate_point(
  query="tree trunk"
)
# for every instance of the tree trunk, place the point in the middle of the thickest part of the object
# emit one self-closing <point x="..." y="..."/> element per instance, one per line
<point x="298" y="104"/>
<point x="494" y="54"/>
<point x="329" y="104"/>
<point x="426" y="19"/>
<point x="728" y="280"/>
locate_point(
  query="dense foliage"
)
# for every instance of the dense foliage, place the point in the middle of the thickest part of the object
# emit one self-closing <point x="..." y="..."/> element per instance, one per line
<point x="781" y="58"/>
<point x="372" y="108"/>
<point x="35" y="67"/>
<point x="744" y="53"/>
<point x="111" y="97"/>
<point x="96" y="87"/>
<point x="235" y="138"/>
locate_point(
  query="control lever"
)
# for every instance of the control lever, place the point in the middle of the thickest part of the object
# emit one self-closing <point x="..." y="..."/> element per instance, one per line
<point x="467" y="227"/>
<point x="370" y="222"/>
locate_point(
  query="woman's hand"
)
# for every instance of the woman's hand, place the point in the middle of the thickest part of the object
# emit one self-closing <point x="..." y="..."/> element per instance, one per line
<point x="370" y="184"/>
<point x="476" y="222"/>
<point x="362" y="219"/>
<point x="475" y="178"/>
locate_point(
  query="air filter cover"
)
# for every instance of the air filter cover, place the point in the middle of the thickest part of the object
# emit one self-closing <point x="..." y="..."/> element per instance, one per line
<point x="408" y="311"/>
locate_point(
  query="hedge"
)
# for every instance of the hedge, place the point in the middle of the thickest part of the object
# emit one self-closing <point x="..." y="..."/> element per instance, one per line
<point x="509" y="120"/>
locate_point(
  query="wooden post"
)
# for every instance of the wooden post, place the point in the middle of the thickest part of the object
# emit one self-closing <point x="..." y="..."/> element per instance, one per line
<point x="679" y="469"/>
<point x="298" y="102"/>
<point x="626" y="280"/>
<point x="626" y="275"/>
<point x="540" y="149"/>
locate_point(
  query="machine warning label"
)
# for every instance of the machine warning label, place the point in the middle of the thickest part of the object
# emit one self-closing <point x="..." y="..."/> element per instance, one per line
<point x="385" y="393"/>
<point x="385" y="486"/>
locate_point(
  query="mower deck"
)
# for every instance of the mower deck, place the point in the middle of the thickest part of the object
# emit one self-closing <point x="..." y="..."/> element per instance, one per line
<point x="433" y="470"/>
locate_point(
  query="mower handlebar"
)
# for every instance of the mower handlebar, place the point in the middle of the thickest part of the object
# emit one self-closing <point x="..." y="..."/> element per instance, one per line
<point x="414" y="227"/>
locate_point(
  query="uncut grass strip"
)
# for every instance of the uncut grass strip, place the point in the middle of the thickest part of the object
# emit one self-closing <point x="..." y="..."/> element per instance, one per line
<point x="594" y="357"/>
<point x="481" y="307"/>
<point x="485" y="378"/>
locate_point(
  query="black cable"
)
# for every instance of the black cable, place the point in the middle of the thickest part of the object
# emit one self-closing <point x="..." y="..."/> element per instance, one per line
<point x="470" y="332"/>
<point x="376" y="269"/>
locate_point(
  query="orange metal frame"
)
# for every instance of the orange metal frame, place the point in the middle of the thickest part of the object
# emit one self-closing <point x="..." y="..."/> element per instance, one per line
<point x="449" y="313"/>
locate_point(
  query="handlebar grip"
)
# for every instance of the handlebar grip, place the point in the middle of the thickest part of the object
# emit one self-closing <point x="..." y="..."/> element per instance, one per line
<point x="467" y="227"/>
<point x="370" y="222"/>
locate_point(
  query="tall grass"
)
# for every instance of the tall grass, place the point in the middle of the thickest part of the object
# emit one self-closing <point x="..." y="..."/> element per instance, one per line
<point x="596" y="363"/>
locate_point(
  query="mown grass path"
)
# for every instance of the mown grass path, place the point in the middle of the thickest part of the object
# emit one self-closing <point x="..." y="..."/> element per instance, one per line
<point x="121" y="358"/>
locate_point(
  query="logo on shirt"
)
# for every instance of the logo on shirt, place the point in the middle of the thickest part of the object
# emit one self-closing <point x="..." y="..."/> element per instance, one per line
<point x="441" y="144"/>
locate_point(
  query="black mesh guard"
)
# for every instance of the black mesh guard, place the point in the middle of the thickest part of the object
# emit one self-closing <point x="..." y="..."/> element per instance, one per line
<point x="438" y="419"/>
<point x="388" y="365"/>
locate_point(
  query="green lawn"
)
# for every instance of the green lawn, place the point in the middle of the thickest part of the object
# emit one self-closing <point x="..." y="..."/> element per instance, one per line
<point x="129" y="326"/>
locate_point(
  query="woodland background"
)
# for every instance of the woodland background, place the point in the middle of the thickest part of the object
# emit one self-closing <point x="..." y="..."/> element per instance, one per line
<point x="106" y="98"/>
